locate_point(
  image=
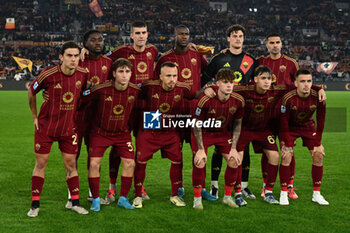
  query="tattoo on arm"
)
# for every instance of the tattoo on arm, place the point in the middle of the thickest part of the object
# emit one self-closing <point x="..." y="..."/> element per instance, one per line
<point x="198" y="134"/>
<point x="237" y="125"/>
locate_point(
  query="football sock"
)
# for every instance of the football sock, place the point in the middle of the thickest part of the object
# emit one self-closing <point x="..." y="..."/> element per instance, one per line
<point x="125" y="186"/>
<point x="284" y="176"/>
<point x="238" y="180"/>
<point x="316" y="172"/>
<point x="292" y="171"/>
<point x="112" y="185"/>
<point x="230" y="176"/>
<point x="197" y="191"/>
<point x="215" y="183"/>
<point x="271" y="176"/>
<point x="228" y="190"/>
<point x="139" y="178"/>
<point x="175" y="178"/>
<point x="197" y="176"/>
<point x="246" y="164"/>
<point x="264" y="162"/>
<point x="216" y="164"/>
<point x="94" y="183"/>
<point x="244" y="184"/>
<point x="73" y="186"/>
<point x="37" y="187"/>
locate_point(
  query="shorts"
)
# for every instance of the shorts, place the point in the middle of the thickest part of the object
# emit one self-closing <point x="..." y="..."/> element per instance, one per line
<point x="149" y="142"/>
<point x="222" y="142"/>
<point x="261" y="139"/>
<point x="307" y="135"/>
<point x="66" y="144"/>
<point x="122" y="144"/>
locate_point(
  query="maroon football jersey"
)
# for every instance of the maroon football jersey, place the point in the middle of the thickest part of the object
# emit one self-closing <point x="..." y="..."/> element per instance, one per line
<point x="99" y="71"/>
<point x="56" y="117"/>
<point x="259" y="108"/>
<point x="167" y="102"/>
<point x="190" y="66"/>
<point x="113" y="108"/>
<point x="142" y="62"/>
<point x="283" y="68"/>
<point x="213" y="108"/>
<point x="297" y="112"/>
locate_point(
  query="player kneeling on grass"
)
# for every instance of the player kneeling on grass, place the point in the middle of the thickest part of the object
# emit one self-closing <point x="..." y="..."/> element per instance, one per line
<point x="115" y="101"/>
<point x="227" y="107"/>
<point x="64" y="84"/>
<point x="298" y="107"/>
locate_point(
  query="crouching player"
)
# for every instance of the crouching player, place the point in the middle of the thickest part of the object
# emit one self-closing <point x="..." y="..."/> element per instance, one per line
<point x="298" y="107"/>
<point x="227" y="107"/>
<point x="115" y="101"/>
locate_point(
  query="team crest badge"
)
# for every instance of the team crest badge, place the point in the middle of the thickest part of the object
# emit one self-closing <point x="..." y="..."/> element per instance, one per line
<point x="131" y="99"/>
<point x="232" y="110"/>
<point x="104" y="69"/>
<point x="149" y="55"/>
<point x="294" y="108"/>
<point x="177" y="98"/>
<point x="245" y="64"/>
<point x="37" y="146"/>
<point x="194" y="61"/>
<point x="283" y="68"/>
<point x="270" y="99"/>
<point x="312" y="107"/>
<point x="78" y="84"/>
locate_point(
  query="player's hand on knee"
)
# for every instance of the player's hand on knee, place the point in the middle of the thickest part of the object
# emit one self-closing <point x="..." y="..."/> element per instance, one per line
<point x="319" y="149"/>
<point x="234" y="157"/>
<point x="209" y="92"/>
<point x="200" y="159"/>
<point x="286" y="152"/>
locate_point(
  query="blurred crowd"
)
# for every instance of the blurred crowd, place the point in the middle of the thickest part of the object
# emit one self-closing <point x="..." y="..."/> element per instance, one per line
<point x="312" y="31"/>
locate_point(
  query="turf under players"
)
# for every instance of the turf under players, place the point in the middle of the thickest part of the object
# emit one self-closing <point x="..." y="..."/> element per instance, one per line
<point x="228" y="108"/>
<point x="64" y="84"/>
<point x="114" y="102"/>
<point x="298" y="107"/>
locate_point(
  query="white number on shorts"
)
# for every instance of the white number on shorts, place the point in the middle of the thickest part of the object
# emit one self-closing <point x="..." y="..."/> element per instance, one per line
<point x="229" y="141"/>
<point x="271" y="139"/>
<point x="131" y="148"/>
<point x="74" y="139"/>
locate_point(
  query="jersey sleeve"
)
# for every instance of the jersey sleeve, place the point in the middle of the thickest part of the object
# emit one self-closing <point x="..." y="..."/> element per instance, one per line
<point x="201" y="108"/>
<point x="39" y="83"/>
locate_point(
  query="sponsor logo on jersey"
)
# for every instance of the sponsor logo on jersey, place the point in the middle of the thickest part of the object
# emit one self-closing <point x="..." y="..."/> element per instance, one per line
<point x="131" y="57"/>
<point x="68" y="97"/>
<point x="164" y="107"/>
<point x="118" y="109"/>
<point x="95" y="79"/>
<point x="186" y="73"/>
<point x="156" y="96"/>
<point x="227" y="64"/>
<point x="109" y="98"/>
<point x="142" y="67"/>
<point x="58" y="86"/>
<point x="212" y="111"/>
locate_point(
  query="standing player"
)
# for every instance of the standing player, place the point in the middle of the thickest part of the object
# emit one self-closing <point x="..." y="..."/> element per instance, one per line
<point x="99" y="68"/>
<point x="142" y="57"/>
<point x="56" y="121"/>
<point x="162" y="96"/>
<point x="298" y="107"/>
<point x="228" y="108"/>
<point x="190" y="64"/>
<point x="114" y="102"/>
<point x="243" y="66"/>
<point x="283" y="69"/>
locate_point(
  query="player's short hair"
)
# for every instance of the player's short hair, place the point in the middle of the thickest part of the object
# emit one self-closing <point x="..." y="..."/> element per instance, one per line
<point x="262" y="69"/>
<point x="302" y="71"/>
<point x="235" y="28"/>
<point x="87" y="35"/>
<point x="167" y="64"/>
<point x="138" y="24"/>
<point x="273" y="34"/>
<point x="180" y="26"/>
<point x="121" y="62"/>
<point x="225" y="74"/>
<point x="69" y="45"/>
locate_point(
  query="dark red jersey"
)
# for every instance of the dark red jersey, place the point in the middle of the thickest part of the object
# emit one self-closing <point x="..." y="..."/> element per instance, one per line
<point x="283" y="68"/>
<point x="142" y="62"/>
<point x="259" y="108"/>
<point x="190" y="66"/>
<point x="99" y="71"/>
<point x="56" y="117"/>
<point x="226" y="112"/>
<point x="166" y="102"/>
<point x="297" y="112"/>
<point x="113" y="108"/>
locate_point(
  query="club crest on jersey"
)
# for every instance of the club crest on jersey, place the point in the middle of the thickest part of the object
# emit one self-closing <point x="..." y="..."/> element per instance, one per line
<point x="283" y="109"/>
<point x="104" y="69"/>
<point x="78" y="84"/>
<point x="149" y="55"/>
<point x="232" y="110"/>
<point x="68" y="97"/>
<point x="142" y="67"/>
<point x="194" y="61"/>
<point x="283" y="68"/>
<point x="312" y="107"/>
<point x="118" y="109"/>
<point x="37" y="146"/>
<point x="245" y="64"/>
<point x="164" y="107"/>
<point x="151" y="120"/>
<point x="177" y="98"/>
<point x="131" y="99"/>
<point x="35" y="86"/>
<point x="186" y="73"/>
<point x="198" y="111"/>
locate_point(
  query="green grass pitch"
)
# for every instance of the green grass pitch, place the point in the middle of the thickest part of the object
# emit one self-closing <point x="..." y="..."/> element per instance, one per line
<point x="158" y="215"/>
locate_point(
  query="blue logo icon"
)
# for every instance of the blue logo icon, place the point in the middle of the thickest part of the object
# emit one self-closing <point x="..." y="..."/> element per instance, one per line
<point x="35" y="86"/>
<point x="283" y="109"/>
<point x="151" y="120"/>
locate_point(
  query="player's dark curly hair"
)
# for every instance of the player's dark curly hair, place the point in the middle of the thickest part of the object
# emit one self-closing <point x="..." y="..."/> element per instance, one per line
<point x="225" y="74"/>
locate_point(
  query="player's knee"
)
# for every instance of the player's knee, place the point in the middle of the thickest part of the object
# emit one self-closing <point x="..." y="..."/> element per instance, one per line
<point x="128" y="163"/>
<point x="41" y="164"/>
<point x="200" y="165"/>
<point x="286" y="160"/>
<point x="232" y="164"/>
<point x="317" y="158"/>
<point x="94" y="163"/>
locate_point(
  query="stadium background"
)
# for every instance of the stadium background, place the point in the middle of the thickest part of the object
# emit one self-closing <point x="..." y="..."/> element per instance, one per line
<point x="313" y="32"/>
